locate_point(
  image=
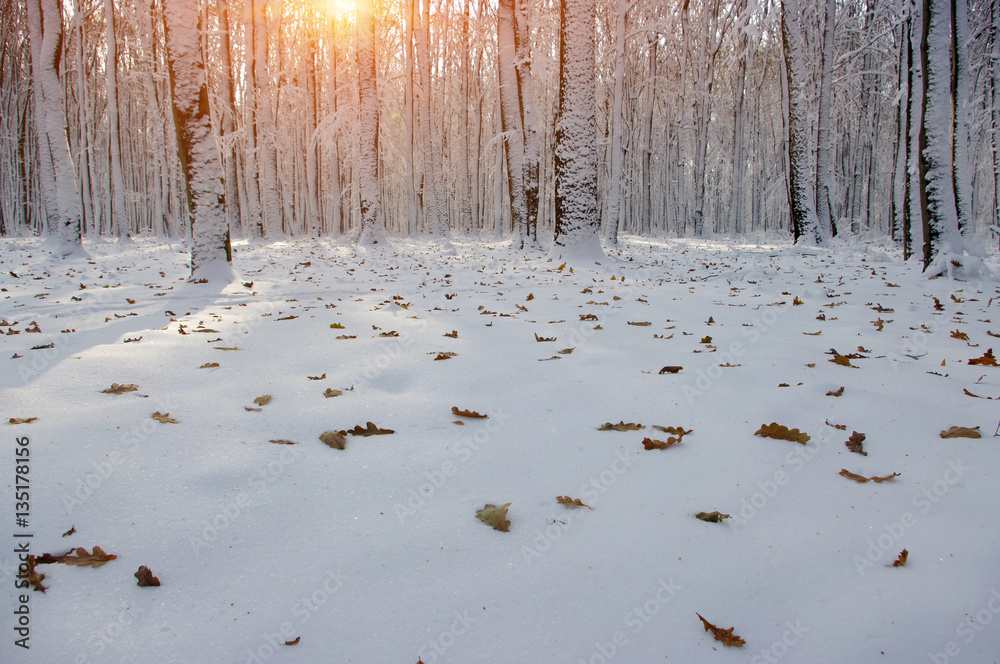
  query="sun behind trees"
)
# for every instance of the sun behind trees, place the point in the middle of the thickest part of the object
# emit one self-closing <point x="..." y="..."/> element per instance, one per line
<point x="690" y="134"/>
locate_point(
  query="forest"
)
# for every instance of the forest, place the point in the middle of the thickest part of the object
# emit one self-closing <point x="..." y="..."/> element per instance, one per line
<point x="698" y="118"/>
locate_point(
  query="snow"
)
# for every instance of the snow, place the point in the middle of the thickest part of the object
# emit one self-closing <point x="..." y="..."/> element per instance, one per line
<point x="374" y="554"/>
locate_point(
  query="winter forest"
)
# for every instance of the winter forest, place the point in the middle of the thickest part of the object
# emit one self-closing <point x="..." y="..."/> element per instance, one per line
<point x="525" y="119"/>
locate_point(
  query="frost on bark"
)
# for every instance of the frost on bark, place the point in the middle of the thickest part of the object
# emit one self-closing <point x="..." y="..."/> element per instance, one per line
<point x="529" y="122"/>
<point x="937" y="192"/>
<point x="577" y="223"/>
<point x="800" y="191"/>
<point x="824" y="150"/>
<point x="510" y="120"/>
<point x="196" y="144"/>
<point x="372" y="221"/>
<point x="58" y="182"/>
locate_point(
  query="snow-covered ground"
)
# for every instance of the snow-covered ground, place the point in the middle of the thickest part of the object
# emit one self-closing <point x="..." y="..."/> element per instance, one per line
<point x="373" y="554"/>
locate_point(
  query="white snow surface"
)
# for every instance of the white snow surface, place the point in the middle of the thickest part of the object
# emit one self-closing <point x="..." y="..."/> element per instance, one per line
<point x="373" y="553"/>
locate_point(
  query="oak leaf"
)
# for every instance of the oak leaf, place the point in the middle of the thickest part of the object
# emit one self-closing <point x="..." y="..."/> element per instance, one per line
<point x="495" y="516"/>
<point x="842" y="360"/>
<point x="82" y="557"/>
<point x="347" y="336"/>
<point x="571" y="502"/>
<point x="336" y="326"/>
<point x="836" y="393"/>
<point x="651" y="444"/>
<point x="281" y="441"/>
<point x="725" y="635"/>
<point x="639" y="323"/>
<point x="334" y="439"/>
<point x="621" y="426"/>
<point x="962" y="432"/>
<point x="145" y="577"/>
<point x="120" y="389"/>
<point x="445" y="356"/>
<point x="317" y="377"/>
<point x="854" y="443"/>
<point x="861" y="479"/>
<point x="779" y="432"/>
<point x="330" y="392"/>
<point x="453" y="334"/>
<point x="538" y="338"/>
<point x="712" y="517"/>
<point x="961" y="336"/>
<point x="986" y="360"/>
<point x="670" y="369"/>
<point x="209" y="365"/>
<point x="165" y="418"/>
<point x="25" y="420"/>
<point x="467" y="413"/>
<point x="901" y="559"/>
<point x="263" y="400"/>
<point x="369" y="430"/>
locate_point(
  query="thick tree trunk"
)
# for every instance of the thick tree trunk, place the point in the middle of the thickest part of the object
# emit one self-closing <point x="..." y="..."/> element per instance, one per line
<point x="369" y="187"/>
<point x="211" y="253"/>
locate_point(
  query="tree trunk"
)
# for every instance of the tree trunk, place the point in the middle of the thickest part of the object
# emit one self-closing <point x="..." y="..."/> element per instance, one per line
<point x="510" y="120"/>
<point x="824" y="149"/>
<point x="368" y="184"/>
<point x="198" y="151"/>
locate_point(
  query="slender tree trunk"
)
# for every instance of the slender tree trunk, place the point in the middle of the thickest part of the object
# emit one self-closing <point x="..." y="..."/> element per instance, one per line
<point x="529" y="116"/>
<point x="119" y="215"/>
<point x="368" y="184"/>
<point x="824" y="149"/>
<point x="510" y="120"/>
<point x="228" y="118"/>
<point x="614" y="197"/>
<point x="961" y="113"/>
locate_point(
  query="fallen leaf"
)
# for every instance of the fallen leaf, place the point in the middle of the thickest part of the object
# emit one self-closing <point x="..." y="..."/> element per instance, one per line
<point x="901" y="559"/>
<point x="861" y="479"/>
<point x="467" y="413"/>
<point x="961" y="336"/>
<point x="281" y="441"/>
<point x="842" y="360"/>
<point x="779" y="432"/>
<point x="968" y="393"/>
<point x="33" y="577"/>
<point x="706" y="340"/>
<point x="390" y="333"/>
<point x="639" y="323"/>
<point x="813" y="334"/>
<point x="225" y="347"/>
<point x="571" y="502"/>
<point x="336" y="326"/>
<point x="986" y="360"/>
<point x="316" y="377"/>
<point x="207" y="330"/>
<point x="841" y="427"/>
<point x="962" y="432"/>
<point x="651" y="444"/>
<point x="565" y="351"/>
<point x="725" y="635"/>
<point x="836" y="393"/>
<point x="295" y="642"/>
<point x="797" y="301"/>
<point x="164" y="417"/>
<point x="120" y="389"/>
<point x="83" y="558"/>
<point x="347" y="336"/>
<point x="330" y="392"/>
<point x="712" y="517"/>
<point x="453" y="334"/>
<point x="334" y="439"/>
<point x="854" y="443"/>
<point x="145" y="577"/>
<point x="209" y="365"/>
<point x="69" y="532"/>
<point x="495" y="516"/>
<point x="26" y="420"/>
<point x="621" y="426"/>
<point x="670" y="369"/>
<point x="445" y="356"/>
<point x="538" y="338"/>
<point x="370" y="430"/>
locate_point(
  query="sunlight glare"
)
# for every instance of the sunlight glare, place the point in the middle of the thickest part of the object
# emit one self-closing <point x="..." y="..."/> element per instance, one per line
<point x="339" y="8"/>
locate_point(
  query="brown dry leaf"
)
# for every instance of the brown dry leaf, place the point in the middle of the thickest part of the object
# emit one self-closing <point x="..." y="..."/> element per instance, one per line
<point x="19" y="420"/>
<point x="369" y="430"/>
<point x="779" y="432"/>
<point x="82" y="558"/>
<point x="209" y="365"/>
<point x="571" y="502"/>
<point x="164" y="417"/>
<point x="621" y="426"/>
<point x="839" y="427"/>
<point x="538" y="338"/>
<point x="334" y="439"/>
<point x="725" y="635"/>
<point x="968" y="393"/>
<point x="861" y="479"/>
<point x="225" y="348"/>
<point x="836" y="393"/>
<point x="467" y="413"/>
<point x="453" y="334"/>
<point x="282" y="441"/>
<point x="336" y="326"/>
<point x="565" y="351"/>
<point x="207" y="330"/>
<point x="842" y="360"/>
<point x="34" y="578"/>
<point x="986" y="360"/>
<point x="958" y="334"/>
<point x="330" y="392"/>
<point x="69" y="532"/>
<point x="884" y="478"/>
<point x="495" y="516"/>
<point x="317" y="377"/>
<point x="530" y="297"/>
<point x="263" y="400"/>
<point x="347" y="336"/>
<point x="706" y="340"/>
<point x="445" y="356"/>
<point x="797" y="301"/>
<point x="813" y="334"/>
<point x="712" y="517"/>
<point x="652" y="444"/>
<point x="962" y="432"/>
<point x="670" y="369"/>
<point x="145" y="577"/>
<point x="901" y="559"/>
<point x="294" y="642"/>
<point x="639" y="323"/>
<point x="120" y="389"/>
<point x="854" y="443"/>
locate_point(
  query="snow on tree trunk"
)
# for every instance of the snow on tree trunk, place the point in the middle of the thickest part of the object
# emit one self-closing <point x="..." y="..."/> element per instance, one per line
<point x="435" y="205"/>
<point x="119" y="215"/>
<point x="577" y="230"/>
<point x="529" y="115"/>
<point x="995" y="30"/>
<point x="961" y="102"/>
<point x="824" y="148"/>
<point x="59" y="187"/>
<point x="510" y="120"/>
<point x="802" y="207"/>
<point x="266" y="129"/>
<point x="197" y="148"/>
<point x="613" y="204"/>
<point x="369" y="190"/>
<point x="939" y="214"/>
<point x="913" y="233"/>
